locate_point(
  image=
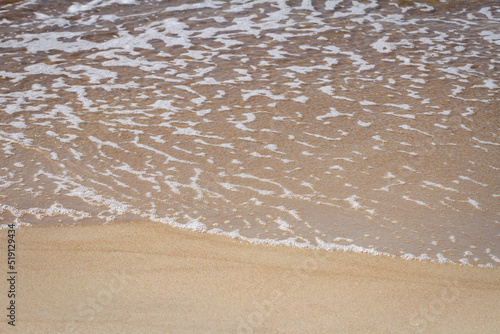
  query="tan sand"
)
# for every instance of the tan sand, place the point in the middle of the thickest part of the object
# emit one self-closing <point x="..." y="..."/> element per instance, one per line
<point x="152" y="278"/>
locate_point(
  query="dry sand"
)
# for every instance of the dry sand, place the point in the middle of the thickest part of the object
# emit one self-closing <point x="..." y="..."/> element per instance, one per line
<point x="152" y="278"/>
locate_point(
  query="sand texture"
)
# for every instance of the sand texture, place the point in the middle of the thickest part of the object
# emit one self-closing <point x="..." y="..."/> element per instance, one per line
<point x="152" y="278"/>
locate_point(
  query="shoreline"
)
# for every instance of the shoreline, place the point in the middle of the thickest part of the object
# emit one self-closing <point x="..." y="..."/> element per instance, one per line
<point x="150" y="277"/>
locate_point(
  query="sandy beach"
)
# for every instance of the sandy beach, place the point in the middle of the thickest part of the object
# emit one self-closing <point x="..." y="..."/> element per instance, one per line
<point x="366" y="126"/>
<point x="152" y="278"/>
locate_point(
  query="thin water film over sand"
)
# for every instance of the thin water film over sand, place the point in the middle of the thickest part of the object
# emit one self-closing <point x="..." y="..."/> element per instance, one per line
<point x="361" y="125"/>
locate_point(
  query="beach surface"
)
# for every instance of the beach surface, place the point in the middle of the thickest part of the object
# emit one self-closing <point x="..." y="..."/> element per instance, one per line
<point x="369" y="126"/>
<point x="153" y="278"/>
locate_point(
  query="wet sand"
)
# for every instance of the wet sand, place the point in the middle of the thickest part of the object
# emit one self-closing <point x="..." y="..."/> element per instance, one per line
<point x="152" y="278"/>
<point x="337" y="124"/>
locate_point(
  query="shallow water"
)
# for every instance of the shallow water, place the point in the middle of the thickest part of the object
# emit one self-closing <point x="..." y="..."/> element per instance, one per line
<point x="362" y="125"/>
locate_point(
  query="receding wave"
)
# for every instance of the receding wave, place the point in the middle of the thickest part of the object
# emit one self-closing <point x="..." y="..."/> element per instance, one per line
<point x="358" y="125"/>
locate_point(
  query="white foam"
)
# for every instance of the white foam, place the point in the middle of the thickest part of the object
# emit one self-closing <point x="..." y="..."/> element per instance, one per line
<point x="163" y="88"/>
<point x="416" y="201"/>
<point x="383" y="46"/>
<point x="474" y="203"/>
<point x="488" y="83"/>
<point x="54" y="210"/>
<point x="440" y="186"/>
<point x="250" y="93"/>
<point x="331" y="4"/>
<point x="364" y="124"/>
<point x="333" y="113"/>
<point x="353" y="201"/>
<point x="77" y="8"/>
